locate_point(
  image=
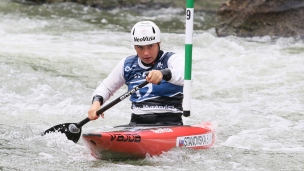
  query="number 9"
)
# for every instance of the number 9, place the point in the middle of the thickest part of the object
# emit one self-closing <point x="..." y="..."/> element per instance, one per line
<point x="188" y="14"/>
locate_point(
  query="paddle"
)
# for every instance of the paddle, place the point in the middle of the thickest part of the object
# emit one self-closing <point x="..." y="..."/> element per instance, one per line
<point x="73" y="130"/>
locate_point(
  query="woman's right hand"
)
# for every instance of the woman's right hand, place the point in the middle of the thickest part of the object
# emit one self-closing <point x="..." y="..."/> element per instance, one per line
<point x="92" y="113"/>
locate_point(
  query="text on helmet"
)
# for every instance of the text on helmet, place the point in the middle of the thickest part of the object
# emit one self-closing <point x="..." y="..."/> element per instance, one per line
<point x="143" y="39"/>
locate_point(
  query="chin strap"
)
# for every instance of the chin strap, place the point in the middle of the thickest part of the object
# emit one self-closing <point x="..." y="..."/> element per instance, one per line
<point x="159" y="54"/>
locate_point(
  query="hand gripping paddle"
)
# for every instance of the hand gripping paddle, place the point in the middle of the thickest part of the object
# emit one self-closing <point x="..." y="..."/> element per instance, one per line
<point x="73" y="130"/>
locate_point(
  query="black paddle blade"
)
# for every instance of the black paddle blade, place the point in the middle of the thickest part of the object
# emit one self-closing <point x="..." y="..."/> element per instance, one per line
<point x="69" y="129"/>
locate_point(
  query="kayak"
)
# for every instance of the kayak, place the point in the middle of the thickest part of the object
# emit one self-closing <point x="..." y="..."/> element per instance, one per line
<point x="125" y="142"/>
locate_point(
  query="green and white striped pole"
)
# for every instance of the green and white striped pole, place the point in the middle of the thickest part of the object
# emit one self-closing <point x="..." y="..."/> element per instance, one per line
<point x="188" y="56"/>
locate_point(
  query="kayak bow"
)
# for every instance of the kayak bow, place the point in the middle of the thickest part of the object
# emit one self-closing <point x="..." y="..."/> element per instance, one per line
<point x="138" y="142"/>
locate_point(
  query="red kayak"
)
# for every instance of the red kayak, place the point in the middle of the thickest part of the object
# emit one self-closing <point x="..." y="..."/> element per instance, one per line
<point x="138" y="142"/>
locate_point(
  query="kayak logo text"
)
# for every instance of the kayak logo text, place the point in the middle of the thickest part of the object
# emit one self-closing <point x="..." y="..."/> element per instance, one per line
<point x="194" y="140"/>
<point x="125" y="137"/>
<point x="162" y="130"/>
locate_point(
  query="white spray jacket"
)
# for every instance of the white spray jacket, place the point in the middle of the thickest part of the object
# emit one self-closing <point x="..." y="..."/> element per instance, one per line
<point x="163" y="98"/>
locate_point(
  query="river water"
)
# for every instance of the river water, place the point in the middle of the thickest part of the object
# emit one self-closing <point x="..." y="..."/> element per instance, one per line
<point x="52" y="57"/>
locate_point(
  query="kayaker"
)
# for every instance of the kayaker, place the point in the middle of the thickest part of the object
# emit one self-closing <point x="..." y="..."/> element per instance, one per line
<point x="159" y="102"/>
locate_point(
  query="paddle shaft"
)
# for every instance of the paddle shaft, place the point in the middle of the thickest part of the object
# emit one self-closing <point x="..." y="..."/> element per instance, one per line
<point x="114" y="102"/>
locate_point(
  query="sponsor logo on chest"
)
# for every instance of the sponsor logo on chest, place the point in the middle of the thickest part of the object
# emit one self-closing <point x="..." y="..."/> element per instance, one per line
<point x="160" y="65"/>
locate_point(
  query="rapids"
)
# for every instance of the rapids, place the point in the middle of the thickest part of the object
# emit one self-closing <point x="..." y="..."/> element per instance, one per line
<point x="53" y="56"/>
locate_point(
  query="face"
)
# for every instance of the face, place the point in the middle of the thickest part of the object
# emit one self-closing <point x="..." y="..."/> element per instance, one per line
<point x="147" y="53"/>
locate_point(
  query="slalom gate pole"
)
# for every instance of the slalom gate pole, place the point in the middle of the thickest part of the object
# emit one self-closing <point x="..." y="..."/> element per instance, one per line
<point x="188" y="56"/>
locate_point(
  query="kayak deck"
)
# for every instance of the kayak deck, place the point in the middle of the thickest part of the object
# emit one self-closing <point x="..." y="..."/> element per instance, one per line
<point x="138" y="142"/>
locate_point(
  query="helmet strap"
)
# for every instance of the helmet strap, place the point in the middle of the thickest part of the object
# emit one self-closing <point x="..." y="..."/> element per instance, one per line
<point x="160" y="53"/>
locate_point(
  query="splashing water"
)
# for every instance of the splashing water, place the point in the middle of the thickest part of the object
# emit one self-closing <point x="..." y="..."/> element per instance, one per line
<point x="53" y="56"/>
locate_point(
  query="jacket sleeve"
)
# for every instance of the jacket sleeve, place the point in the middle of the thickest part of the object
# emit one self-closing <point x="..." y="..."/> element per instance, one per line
<point x="112" y="83"/>
<point x="177" y="66"/>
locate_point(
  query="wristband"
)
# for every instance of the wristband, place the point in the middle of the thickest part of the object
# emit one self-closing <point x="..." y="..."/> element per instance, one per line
<point x="98" y="98"/>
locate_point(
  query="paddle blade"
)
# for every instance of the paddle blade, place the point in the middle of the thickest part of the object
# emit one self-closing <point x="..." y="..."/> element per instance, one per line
<point x="69" y="129"/>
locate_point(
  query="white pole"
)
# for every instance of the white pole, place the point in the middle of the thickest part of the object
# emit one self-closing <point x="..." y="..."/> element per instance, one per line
<point x="188" y="56"/>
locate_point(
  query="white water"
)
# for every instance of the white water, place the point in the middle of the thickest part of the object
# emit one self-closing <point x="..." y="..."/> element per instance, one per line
<point x="252" y="89"/>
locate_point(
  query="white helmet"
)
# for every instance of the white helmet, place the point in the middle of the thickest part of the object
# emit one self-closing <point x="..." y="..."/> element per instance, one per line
<point x="145" y="33"/>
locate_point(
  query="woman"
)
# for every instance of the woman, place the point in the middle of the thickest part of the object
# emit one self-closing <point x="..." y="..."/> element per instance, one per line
<point x="158" y="103"/>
